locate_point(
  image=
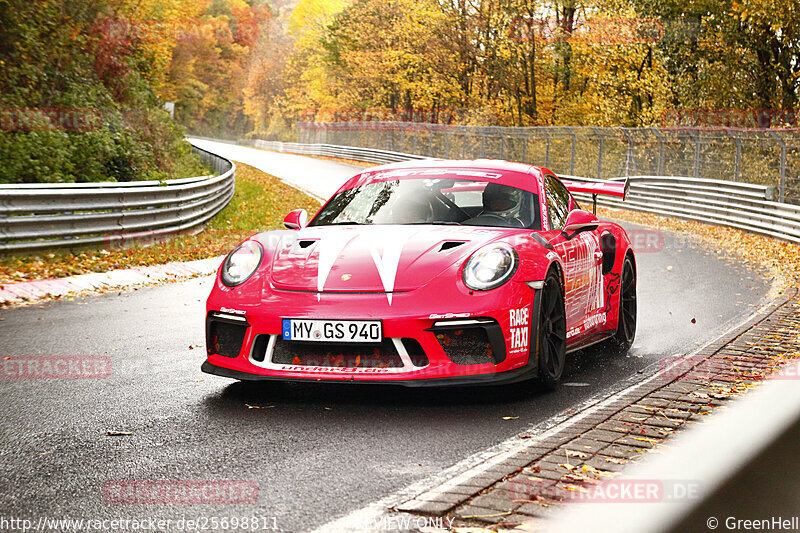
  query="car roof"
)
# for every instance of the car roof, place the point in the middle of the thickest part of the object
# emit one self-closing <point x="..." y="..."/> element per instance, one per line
<point x="520" y="175"/>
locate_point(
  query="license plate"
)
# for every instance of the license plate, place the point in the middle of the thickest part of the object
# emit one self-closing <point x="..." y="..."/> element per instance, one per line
<point x="298" y="329"/>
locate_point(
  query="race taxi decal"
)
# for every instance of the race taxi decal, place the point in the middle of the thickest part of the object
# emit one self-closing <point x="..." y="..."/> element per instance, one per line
<point x="519" y="324"/>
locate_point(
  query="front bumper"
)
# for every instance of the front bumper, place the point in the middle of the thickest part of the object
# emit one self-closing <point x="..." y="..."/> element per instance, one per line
<point x="413" y="318"/>
<point x="511" y="376"/>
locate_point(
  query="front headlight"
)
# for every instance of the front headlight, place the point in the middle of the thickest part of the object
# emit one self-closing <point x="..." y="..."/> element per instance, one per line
<point x="490" y="267"/>
<point x="241" y="263"/>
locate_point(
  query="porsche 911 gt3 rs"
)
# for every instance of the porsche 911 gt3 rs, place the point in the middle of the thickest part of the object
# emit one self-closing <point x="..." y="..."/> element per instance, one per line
<point x="427" y="273"/>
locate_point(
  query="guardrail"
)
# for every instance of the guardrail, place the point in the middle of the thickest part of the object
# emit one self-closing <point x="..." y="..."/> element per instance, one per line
<point x="724" y="203"/>
<point x="744" y="206"/>
<point x="368" y="155"/>
<point x="44" y="215"/>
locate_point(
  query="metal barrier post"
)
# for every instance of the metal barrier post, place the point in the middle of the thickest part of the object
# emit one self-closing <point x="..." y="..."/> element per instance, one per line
<point x="697" y="154"/>
<point x="600" y="139"/>
<point x="547" y="150"/>
<point x="737" y="163"/>
<point x="660" y="164"/>
<point x="628" y="153"/>
<point x="782" y="188"/>
<point x="572" y="151"/>
<point x="525" y="148"/>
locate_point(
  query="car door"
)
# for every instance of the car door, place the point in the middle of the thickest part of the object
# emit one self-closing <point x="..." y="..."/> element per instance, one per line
<point x="582" y="258"/>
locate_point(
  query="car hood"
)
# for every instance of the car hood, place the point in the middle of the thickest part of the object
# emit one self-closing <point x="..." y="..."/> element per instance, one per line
<point x="376" y="258"/>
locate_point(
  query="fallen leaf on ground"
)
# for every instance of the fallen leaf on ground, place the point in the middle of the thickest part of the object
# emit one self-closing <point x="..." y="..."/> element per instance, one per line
<point x="575" y="453"/>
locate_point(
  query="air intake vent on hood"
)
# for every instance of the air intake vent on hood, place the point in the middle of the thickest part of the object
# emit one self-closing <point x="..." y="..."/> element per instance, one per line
<point x="449" y="245"/>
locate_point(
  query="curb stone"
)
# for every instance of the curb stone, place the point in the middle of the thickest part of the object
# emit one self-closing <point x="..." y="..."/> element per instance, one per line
<point x="600" y="441"/>
<point x="32" y="291"/>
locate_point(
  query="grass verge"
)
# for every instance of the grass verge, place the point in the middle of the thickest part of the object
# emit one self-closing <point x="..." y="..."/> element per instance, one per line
<point x="260" y="203"/>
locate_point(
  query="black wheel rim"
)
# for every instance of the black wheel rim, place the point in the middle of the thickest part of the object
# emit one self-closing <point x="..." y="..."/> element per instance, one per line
<point x="628" y="303"/>
<point x="554" y="330"/>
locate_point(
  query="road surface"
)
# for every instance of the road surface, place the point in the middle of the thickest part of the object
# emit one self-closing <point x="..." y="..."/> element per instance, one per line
<point x="316" y="452"/>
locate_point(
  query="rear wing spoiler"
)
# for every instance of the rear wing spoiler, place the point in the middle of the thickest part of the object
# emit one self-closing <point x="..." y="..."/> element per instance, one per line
<point x="595" y="187"/>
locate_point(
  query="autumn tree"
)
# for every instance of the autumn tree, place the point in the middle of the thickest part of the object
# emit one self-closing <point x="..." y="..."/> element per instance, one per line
<point x="71" y="58"/>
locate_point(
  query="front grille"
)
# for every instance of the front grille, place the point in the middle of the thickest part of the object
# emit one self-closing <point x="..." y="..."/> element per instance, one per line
<point x="336" y="355"/>
<point x="467" y="346"/>
<point x="224" y="338"/>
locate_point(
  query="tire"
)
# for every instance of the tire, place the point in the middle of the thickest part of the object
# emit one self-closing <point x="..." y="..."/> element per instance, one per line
<point x="552" y="332"/>
<point x="623" y="339"/>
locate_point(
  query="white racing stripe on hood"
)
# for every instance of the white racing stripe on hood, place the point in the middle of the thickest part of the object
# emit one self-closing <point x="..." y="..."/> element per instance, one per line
<point x="329" y="248"/>
<point x="385" y="245"/>
<point x="392" y="238"/>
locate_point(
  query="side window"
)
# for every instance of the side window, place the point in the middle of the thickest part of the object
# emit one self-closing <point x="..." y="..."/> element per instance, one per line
<point x="558" y="199"/>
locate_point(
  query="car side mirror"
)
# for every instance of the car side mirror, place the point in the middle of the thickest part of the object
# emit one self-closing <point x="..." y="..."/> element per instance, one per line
<point x="297" y="219"/>
<point x="579" y="220"/>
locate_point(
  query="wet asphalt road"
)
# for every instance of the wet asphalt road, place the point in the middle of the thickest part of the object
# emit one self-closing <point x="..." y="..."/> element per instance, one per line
<point x="316" y="451"/>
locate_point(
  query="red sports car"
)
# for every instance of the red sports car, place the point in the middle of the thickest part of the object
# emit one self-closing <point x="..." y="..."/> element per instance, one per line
<point x="427" y="273"/>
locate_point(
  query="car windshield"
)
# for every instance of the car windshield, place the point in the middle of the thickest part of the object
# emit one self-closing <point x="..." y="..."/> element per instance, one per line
<point x="433" y="201"/>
